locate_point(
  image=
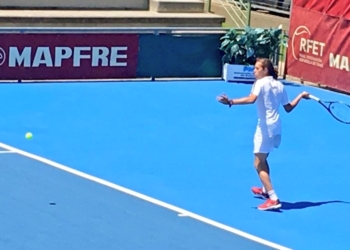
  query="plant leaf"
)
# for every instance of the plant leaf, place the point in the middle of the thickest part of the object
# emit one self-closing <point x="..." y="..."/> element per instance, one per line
<point x="250" y="52"/>
<point x="225" y="43"/>
<point x="234" y="49"/>
<point x="258" y="31"/>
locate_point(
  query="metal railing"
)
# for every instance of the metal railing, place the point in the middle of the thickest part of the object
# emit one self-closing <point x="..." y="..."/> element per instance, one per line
<point x="273" y="6"/>
<point x="238" y="11"/>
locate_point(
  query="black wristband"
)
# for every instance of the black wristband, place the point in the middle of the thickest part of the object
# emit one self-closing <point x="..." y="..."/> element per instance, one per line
<point x="230" y="103"/>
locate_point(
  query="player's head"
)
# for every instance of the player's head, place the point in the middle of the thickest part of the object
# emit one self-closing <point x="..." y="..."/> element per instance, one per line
<point x="264" y="67"/>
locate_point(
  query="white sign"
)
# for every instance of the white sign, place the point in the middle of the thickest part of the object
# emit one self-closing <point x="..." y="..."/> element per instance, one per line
<point x="238" y="73"/>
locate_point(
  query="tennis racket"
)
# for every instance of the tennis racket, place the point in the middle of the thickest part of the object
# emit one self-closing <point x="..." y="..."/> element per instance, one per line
<point x="339" y="110"/>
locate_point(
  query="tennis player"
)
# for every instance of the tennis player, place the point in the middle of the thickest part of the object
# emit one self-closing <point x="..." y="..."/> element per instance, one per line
<point x="269" y="94"/>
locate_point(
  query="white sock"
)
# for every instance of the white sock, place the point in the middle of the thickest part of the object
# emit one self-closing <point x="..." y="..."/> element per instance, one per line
<point x="264" y="190"/>
<point x="272" y="195"/>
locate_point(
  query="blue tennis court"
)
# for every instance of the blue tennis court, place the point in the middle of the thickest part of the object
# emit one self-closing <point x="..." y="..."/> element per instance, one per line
<point x="162" y="165"/>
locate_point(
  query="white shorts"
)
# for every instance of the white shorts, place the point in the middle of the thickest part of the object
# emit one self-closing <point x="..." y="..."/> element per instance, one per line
<point x="265" y="143"/>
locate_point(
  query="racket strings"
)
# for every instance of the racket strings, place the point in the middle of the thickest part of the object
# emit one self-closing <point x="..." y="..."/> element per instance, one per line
<point x="341" y="111"/>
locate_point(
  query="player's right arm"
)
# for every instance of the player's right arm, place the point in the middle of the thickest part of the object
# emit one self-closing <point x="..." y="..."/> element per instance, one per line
<point x="288" y="107"/>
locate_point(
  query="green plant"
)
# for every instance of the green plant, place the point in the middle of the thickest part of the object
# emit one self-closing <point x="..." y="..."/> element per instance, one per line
<point x="244" y="47"/>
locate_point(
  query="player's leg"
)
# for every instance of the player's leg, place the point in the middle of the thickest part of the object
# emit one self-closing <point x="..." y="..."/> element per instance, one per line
<point x="261" y="191"/>
<point x="263" y="170"/>
<point x="260" y="145"/>
<point x="260" y="160"/>
<point x="263" y="145"/>
<point x="262" y="167"/>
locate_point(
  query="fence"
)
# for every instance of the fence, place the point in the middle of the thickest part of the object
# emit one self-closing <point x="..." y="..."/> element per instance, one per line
<point x="110" y="53"/>
<point x="61" y="53"/>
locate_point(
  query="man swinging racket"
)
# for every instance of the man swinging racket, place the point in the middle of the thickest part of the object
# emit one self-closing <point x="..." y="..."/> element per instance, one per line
<point x="269" y="94"/>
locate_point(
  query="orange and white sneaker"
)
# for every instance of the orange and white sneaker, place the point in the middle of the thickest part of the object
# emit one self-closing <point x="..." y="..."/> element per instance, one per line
<point x="270" y="204"/>
<point x="259" y="192"/>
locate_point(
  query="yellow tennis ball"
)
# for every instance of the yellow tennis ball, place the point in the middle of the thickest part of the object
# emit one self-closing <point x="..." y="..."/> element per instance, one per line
<point x="29" y="135"/>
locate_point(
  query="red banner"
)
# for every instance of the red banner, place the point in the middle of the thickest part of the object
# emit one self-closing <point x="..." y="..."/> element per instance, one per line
<point x="319" y="45"/>
<point x="68" y="56"/>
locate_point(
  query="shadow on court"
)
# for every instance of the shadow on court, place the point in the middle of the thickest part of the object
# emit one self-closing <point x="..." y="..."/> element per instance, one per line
<point x="306" y="204"/>
<point x="303" y="205"/>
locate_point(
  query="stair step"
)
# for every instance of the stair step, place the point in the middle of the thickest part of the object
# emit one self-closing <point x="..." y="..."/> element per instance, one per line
<point x="177" y="6"/>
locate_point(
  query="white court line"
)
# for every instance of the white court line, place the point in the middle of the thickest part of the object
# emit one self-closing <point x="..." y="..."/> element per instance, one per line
<point x="178" y="210"/>
<point x="6" y="152"/>
<point x="183" y="215"/>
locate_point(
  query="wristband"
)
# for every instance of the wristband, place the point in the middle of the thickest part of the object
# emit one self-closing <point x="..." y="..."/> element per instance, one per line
<point x="230" y="103"/>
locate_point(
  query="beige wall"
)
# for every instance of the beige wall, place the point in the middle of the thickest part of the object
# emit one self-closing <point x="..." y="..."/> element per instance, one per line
<point x="81" y="4"/>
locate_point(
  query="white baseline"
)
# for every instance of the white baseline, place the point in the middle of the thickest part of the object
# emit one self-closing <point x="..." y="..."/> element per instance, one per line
<point x="178" y="210"/>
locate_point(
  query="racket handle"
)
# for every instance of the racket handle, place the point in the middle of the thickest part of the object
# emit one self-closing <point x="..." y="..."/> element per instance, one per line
<point x="314" y="98"/>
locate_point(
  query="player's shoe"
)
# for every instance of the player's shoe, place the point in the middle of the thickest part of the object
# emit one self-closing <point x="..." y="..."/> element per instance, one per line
<point x="270" y="205"/>
<point x="259" y="192"/>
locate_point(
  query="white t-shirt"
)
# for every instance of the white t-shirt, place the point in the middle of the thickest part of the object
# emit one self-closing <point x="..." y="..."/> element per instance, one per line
<point x="271" y="95"/>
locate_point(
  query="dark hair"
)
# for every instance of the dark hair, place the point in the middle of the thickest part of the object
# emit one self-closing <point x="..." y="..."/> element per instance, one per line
<point x="267" y="64"/>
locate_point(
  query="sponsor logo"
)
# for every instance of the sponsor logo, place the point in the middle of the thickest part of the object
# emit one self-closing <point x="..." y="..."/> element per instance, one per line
<point x="248" y="69"/>
<point x="54" y="57"/>
<point x="2" y="56"/>
<point x="311" y="51"/>
<point x="305" y="49"/>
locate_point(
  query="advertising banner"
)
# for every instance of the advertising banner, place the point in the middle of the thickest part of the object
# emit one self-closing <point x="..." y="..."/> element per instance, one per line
<point x="319" y="44"/>
<point x="238" y="73"/>
<point x="68" y="56"/>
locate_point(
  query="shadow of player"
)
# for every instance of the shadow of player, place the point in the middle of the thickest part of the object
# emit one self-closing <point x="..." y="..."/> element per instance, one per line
<point x="306" y="204"/>
<point x="303" y="204"/>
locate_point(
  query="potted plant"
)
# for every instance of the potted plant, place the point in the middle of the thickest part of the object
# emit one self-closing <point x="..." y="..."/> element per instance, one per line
<point x="241" y="49"/>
